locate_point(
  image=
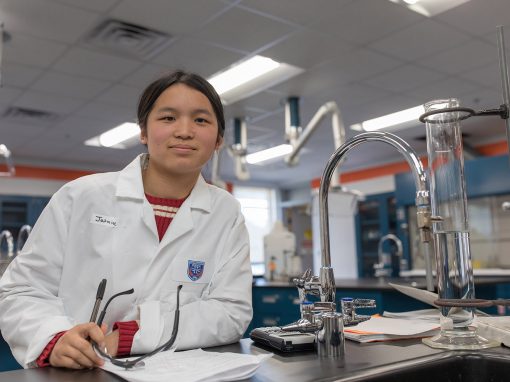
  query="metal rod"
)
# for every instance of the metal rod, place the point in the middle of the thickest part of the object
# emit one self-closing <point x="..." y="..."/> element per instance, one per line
<point x="504" y="76"/>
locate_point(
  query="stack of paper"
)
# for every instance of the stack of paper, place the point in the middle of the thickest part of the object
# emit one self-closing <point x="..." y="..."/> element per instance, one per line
<point x="191" y="366"/>
<point x="494" y="328"/>
<point x="390" y="329"/>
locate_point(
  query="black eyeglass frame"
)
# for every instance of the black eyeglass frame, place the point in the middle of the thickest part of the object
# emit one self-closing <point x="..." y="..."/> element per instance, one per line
<point x="128" y="364"/>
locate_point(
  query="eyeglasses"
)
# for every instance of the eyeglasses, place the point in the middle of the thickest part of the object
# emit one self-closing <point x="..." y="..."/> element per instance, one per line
<point x="127" y="364"/>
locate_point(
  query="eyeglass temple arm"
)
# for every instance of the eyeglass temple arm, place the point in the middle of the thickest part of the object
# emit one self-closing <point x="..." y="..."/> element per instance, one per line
<point x="176" y="322"/>
<point x="103" y="312"/>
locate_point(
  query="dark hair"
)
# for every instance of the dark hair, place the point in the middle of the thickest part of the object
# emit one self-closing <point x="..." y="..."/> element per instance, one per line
<point x="154" y="90"/>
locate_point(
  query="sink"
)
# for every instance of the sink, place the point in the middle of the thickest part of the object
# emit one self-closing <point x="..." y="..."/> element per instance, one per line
<point x="454" y="367"/>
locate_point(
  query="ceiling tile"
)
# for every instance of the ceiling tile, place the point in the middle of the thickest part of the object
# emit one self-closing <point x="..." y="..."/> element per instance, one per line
<point x="145" y="75"/>
<point x="122" y="95"/>
<point x="32" y="51"/>
<point x="422" y="39"/>
<point x="486" y="76"/>
<point x="95" y="65"/>
<point x="478" y="17"/>
<point x="173" y="17"/>
<point x="196" y="56"/>
<point x="92" y="5"/>
<point x="67" y="85"/>
<point x="301" y="12"/>
<point x="470" y="55"/>
<point x="77" y="129"/>
<point x="307" y="48"/>
<point x="449" y="87"/>
<point x="8" y="94"/>
<point x="263" y="101"/>
<point x="384" y="106"/>
<point x="19" y="75"/>
<point x="404" y="78"/>
<point x="363" y="21"/>
<point x="483" y="99"/>
<point x="243" y="30"/>
<point x="17" y="133"/>
<point x="48" y="102"/>
<point x="108" y="112"/>
<point x="46" y="19"/>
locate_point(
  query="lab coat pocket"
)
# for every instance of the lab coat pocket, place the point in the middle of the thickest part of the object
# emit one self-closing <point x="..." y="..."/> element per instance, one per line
<point x="193" y="274"/>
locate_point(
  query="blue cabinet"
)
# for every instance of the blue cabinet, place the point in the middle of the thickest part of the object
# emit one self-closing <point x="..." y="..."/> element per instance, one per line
<point x="15" y="211"/>
<point x="376" y="217"/>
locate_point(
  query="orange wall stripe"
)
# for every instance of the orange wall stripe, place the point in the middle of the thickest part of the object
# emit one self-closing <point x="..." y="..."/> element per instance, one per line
<point x="47" y="173"/>
<point x="492" y="149"/>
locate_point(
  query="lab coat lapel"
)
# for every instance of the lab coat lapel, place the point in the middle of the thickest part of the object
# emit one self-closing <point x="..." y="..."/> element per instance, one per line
<point x="182" y="223"/>
<point x="130" y="186"/>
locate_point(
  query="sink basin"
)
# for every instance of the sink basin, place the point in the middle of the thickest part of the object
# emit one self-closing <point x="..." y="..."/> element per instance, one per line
<point x="453" y="368"/>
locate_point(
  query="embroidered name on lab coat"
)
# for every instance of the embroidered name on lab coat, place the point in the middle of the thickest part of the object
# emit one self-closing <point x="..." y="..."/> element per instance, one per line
<point x="108" y="221"/>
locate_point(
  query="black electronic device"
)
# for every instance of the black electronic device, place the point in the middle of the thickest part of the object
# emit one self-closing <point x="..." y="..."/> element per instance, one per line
<point x="275" y="337"/>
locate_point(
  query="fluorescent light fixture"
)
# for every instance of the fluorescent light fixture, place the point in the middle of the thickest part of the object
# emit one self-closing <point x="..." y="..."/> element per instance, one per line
<point x="250" y="77"/>
<point x="398" y="120"/>
<point x="242" y="73"/>
<point x="271" y="153"/>
<point x="120" y="137"/>
<point x="430" y="8"/>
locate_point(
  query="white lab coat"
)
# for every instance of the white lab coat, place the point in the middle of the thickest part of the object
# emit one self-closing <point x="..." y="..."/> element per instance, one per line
<point x="102" y="226"/>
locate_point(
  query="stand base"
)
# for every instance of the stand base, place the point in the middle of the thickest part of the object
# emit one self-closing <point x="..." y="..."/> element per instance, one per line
<point x="460" y="339"/>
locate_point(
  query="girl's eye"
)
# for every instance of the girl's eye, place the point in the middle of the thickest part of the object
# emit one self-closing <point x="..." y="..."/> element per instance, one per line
<point x="201" y="120"/>
<point x="167" y="118"/>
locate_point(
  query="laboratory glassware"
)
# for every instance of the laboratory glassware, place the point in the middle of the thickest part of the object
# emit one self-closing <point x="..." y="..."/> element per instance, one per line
<point x="450" y="228"/>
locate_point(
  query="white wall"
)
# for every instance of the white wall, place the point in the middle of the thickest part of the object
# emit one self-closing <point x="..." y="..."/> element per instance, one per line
<point x="29" y="186"/>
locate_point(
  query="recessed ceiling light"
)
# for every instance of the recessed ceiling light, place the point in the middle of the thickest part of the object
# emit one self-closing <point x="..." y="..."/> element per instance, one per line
<point x="268" y="154"/>
<point x="397" y="120"/>
<point x="430" y="8"/>
<point x="120" y="137"/>
<point x="250" y="77"/>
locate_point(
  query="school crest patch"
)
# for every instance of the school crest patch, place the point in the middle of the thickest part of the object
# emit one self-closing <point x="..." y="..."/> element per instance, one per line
<point x="195" y="269"/>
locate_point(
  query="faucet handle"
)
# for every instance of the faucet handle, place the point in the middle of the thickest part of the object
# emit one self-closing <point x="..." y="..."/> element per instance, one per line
<point x="349" y="306"/>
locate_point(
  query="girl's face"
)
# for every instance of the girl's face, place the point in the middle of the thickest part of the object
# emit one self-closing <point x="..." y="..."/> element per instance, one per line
<point x="181" y="132"/>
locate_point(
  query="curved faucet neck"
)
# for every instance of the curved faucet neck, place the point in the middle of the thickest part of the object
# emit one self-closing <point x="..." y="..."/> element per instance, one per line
<point x="402" y="146"/>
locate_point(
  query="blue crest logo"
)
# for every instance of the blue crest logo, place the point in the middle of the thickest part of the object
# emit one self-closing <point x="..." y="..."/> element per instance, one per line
<point x="195" y="269"/>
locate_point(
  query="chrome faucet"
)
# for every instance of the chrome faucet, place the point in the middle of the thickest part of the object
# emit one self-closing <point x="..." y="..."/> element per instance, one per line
<point x="322" y="317"/>
<point x="384" y="267"/>
<point x="22" y="237"/>
<point x="6" y="258"/>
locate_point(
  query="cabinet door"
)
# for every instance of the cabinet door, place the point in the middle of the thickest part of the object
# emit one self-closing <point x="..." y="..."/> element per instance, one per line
<point x="376" y="217"/>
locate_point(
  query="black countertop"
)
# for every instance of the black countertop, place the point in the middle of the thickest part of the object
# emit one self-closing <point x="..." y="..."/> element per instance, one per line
<point x="362" y="362"/>
<point x="381" y="284"/>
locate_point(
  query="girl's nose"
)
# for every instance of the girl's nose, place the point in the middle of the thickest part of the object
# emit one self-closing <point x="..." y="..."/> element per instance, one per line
<point x="184" y="128"/>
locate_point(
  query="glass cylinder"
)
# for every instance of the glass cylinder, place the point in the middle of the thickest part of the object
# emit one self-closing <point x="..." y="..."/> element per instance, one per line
<point x="450" y="226"/>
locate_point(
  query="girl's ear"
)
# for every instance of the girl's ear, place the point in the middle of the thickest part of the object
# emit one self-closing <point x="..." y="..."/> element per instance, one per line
<point x="219" y="142"/>
<point x="143" y="136"/>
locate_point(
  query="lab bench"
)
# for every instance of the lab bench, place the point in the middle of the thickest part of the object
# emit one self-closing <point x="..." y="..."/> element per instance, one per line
<point x="276" y="303"/>
<point x="380" y="362"/>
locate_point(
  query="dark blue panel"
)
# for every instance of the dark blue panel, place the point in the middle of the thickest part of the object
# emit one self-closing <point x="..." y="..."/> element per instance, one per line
<point x="484" y="176"/>
<point x="7" y="361"/>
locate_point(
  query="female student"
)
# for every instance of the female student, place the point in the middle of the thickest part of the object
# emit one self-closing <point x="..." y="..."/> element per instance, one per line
<point x="152" y="226"/>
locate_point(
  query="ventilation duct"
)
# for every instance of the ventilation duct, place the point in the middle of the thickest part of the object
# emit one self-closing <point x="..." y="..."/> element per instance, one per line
<point x="116" y="36"/>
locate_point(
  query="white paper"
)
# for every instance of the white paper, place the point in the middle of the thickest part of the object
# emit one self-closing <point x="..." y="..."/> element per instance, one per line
<point x="422" y="314"/>
<point x="393" y="326"/>
<point x="191" y="366"/>
<point x="418" y="294"/>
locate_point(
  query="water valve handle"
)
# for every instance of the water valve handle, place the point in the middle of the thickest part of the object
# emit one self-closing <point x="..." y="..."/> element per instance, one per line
<point x="349" y="306"/>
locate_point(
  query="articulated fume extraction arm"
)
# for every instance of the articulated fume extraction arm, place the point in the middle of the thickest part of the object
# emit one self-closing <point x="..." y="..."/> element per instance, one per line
<point x="298" y="138"/>
<point x="5" y="152"/>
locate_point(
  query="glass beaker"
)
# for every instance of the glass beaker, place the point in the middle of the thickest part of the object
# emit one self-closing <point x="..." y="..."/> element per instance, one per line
<point x="450" y="228"/>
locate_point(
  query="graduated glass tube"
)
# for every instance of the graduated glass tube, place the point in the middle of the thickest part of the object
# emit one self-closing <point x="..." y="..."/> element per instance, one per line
<point x="451" y="228"/>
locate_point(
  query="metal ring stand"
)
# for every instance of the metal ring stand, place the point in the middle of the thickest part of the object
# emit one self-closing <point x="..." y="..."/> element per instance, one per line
<point x="502" y="112"/>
